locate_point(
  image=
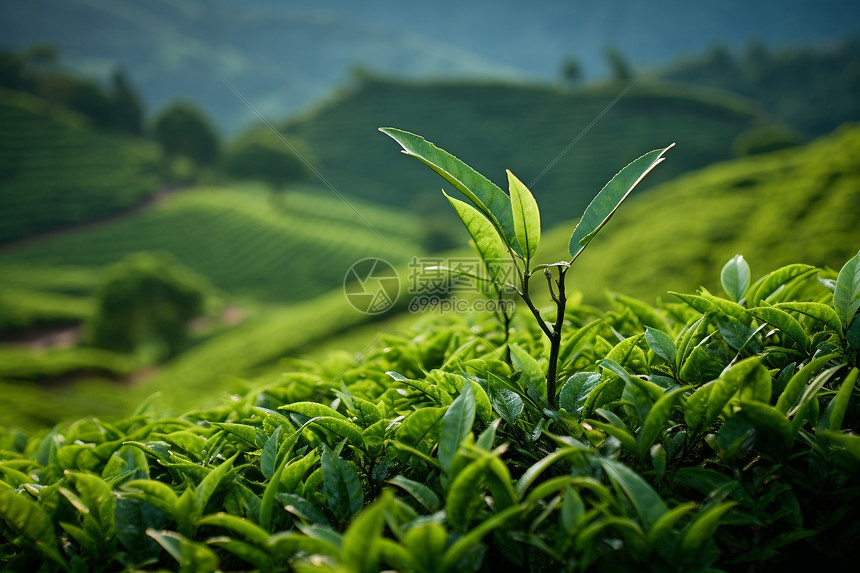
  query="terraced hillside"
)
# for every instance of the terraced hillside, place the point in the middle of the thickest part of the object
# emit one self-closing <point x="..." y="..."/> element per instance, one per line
<point x="798" y="205"/>
<point x="55" y="170"/>
<point x="239" y="240"/>
<point x="521" y="127"/>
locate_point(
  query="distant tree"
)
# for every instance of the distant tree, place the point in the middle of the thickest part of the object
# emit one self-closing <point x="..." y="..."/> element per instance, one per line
<point x="78" y="94"/>
<point x="571" y="71"/>
<point x="14" y="74"/>
<point x="264" y="157"/>
<point x="618" y="65"/>
<point x="146" y="299"/>
<point x="184" y="130"/>
<point x="127" y="109"/>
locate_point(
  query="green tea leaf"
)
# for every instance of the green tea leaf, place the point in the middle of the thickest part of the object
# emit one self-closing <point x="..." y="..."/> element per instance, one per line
<point x="536" y="469"/>
<point x="663" y="526"/>
<point x="341" y="486"/>
<point x="158" y="494"/>
<point x="28" y="519"/>
<point x="623" y="435"/>
<point x="210" y="485"/>
<point x="735" y="277"/>
<point x="246" y="433"/>
<point x="486" y="196"/>
<point x="366" y="412"/>
<point x="507" y="403"/>
<point x="190" y="555"/>
<point x="604" y="205"/>
<point x="755" y="380"/>
<point x="846" y="297"/>
<point x="814" y="310"/>
<point x="572" y="510"/>
<point x="659" y="417"/>
<point x="488" y="243"/>
<point x="705" y="404"/>
<point x="575" y="391"/>
<point x="312" y="410"/>
<point x="267" y="503"/>
<point x="456" y="423"/>
<point x="768" y="420"/>
<point x="703" y="526"/>
<point x="532" y="374"/>
<point x="250" y="531"/>
<point x="653" y="391"/>
<point x="420" y="429"/>
<point x="796" y="385"/>
<point x="571" y="344"/>
<point x="706" y="302"/>
<point x="775" y="280"/>
<point x="783" y="321"/>
<point x="488" y="436"/>
<point x="662" y="345"/>
<point x="270" y="454"/>
<point x="301" y="507"/>
<point x="646" y="314"/>
<point x="465" y="543"/>
<point x="423" y="494"/>
<point x="464" y="494"/>
<point x="833" y="415"/>
<point x="648" y="504"/>
<point x="247" y="552"/>
<point x="128" y="462"/>
<point x="360" y="543"/>
<point x="100" y="501"/>
<point x="526" y="216"/>
<point x="426" y="542"/>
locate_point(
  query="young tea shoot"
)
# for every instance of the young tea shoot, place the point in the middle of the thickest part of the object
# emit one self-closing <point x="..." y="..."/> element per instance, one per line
<point x="507" y="226"/>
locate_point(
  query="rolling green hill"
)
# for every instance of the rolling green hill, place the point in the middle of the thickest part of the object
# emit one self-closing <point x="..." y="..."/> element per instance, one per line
<point x="244" y="244"/>
<point x="55" y="170"/>
<point x="796" y="205"/>
<point x="494" y="126"/>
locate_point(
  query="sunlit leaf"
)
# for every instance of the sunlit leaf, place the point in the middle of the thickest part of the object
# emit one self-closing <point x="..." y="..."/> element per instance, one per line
<point x="526" y="216"/>
<point x="604" y="205"/>
<point x="456" y="423"/>
<point x="486" y="196"/>
<point x="846" y="297"/>
<point x="735" y="277"/>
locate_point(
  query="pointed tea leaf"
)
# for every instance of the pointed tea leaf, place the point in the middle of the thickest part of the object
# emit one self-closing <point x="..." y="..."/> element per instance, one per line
<point x="604" y="205"/>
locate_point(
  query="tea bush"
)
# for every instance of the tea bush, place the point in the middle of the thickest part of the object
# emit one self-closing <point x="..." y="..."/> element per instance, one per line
<point x="708" y="433"/>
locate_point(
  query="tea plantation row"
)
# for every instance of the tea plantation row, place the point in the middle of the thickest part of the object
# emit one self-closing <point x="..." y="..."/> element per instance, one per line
<point x="238" y="240"/>
<point x="50" y="156"/>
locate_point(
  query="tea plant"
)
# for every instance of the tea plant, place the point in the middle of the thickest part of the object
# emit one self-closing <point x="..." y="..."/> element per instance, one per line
<point x="503" y="226"/>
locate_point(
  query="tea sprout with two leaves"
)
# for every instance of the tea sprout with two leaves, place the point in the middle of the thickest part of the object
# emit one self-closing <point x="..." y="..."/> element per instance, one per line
<point x="506" y="226"/>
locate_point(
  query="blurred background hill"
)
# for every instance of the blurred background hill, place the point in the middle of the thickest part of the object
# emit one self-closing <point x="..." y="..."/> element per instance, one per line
<point x="138" y="181"/>
<point x="290" y="53"/>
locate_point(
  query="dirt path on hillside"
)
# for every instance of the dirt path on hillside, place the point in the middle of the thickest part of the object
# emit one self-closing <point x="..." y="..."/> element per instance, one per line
<point x="150" y="201"/>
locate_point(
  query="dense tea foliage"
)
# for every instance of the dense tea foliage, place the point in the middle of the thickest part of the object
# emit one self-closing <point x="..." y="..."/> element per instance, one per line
<point x="706" y="433"/>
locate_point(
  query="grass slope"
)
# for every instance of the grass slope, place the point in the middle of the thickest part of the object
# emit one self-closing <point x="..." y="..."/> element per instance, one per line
<point x="494" y="126"/>
<point x="242" y="242"/>
<point x="793" y="205"/>
<point x="55" y="170"/>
